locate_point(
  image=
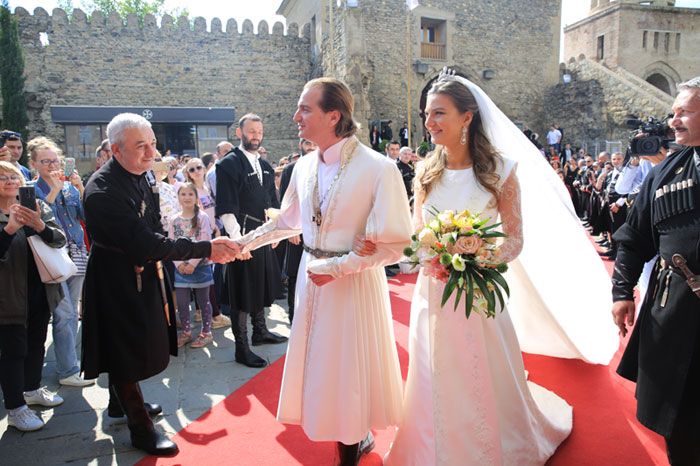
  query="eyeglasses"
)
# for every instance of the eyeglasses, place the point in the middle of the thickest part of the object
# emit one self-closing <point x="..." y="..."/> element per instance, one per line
<point x="5" y="179"/>
<point x="50" y="162"/>
<point x="195" y="169"/>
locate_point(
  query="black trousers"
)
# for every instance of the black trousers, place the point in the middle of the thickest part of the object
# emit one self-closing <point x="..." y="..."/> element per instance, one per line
<point x="683" y="447"/>
<point x="22" y="351"/>
<point x="291" y="295"/>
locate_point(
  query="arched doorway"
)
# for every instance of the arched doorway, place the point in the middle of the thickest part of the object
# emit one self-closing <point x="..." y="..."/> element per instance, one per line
<point x="424" y="100"/>
<point x="659" y="81"/>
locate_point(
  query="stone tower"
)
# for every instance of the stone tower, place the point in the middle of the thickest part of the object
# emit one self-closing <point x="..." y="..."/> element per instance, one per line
<point x="597" y="5"/>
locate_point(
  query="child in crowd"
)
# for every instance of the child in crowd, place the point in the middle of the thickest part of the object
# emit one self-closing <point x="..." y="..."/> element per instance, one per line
<point x="194" y="275"/>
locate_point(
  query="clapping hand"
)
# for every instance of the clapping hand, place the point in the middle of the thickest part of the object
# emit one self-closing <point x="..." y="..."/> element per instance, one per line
<point x="362" y="247"/>
<point x="223" y="250"/>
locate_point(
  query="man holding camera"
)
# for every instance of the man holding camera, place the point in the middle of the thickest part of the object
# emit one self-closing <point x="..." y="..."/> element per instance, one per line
<point x="663" y="354"/>
<point x="13" y="141"/>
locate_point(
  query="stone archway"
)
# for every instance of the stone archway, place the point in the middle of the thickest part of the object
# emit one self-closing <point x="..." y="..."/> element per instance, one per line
<point x="662" y="76"/>
<point x="659" y="81"/>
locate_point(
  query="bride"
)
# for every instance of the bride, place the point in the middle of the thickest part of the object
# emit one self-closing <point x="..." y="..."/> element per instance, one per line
<point x="467" y="401"/>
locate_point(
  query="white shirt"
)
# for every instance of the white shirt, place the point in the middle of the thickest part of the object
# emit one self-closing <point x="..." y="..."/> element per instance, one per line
<point x="553" y="137"/>
<point x="254" y="160"/>
<point x="328" y="167"/>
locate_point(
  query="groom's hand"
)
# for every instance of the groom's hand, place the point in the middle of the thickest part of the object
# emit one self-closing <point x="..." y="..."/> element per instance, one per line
<point x="320" y="280"/>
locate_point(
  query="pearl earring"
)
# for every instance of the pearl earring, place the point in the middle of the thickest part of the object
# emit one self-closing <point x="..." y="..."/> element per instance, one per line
<point x="463" y="139"/>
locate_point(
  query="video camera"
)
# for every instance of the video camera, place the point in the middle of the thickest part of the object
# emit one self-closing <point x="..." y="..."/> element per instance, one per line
<point x="655" y="136"/>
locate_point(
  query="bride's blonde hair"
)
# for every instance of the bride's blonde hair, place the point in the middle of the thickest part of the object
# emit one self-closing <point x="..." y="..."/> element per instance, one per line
<point x="485" y="158"/>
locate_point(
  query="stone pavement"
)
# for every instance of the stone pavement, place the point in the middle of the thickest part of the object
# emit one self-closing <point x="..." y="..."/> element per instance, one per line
<point x="80" y="432"/>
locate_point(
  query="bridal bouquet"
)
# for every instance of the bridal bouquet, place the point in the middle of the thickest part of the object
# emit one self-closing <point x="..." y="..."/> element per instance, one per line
<point x="459" y="249"/>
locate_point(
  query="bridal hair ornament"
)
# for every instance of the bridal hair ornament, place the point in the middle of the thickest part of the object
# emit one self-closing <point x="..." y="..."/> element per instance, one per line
<point x="571" y="329"/>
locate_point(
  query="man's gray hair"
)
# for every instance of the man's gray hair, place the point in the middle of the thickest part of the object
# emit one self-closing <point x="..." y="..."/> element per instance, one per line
<point x="405" y="149"/>
<point x="122" y="122"/>
<point x="689" y="85"/>
<point x="104" y="145"/>
<point x="222" y="144"/>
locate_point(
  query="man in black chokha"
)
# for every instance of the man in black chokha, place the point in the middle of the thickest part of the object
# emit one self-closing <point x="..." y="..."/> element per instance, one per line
<point x="246" y="189"/>
<point x="128" y="312"/>
<point x="663" y="354"/>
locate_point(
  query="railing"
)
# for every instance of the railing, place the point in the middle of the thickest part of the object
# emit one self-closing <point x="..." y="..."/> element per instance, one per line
<point x="433" y="51"/>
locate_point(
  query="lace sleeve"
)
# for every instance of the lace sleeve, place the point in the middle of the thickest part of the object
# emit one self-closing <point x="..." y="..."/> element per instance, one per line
<point x="511" y="217"/>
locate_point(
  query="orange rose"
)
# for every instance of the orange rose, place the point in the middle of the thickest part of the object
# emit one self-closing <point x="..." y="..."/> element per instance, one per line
<point x="468" y="244"/>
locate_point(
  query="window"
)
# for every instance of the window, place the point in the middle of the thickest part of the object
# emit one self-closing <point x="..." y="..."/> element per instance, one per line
<point x="82" y="140"/>
<point x="208" y="136"/>
<point x="601" y="47"/>
<point x="644" y="39"/>
<point x="667" y="42"/>
<point x="678" y="42"/>
<point x="433" y="39"/>
<point x="656" y="41"/>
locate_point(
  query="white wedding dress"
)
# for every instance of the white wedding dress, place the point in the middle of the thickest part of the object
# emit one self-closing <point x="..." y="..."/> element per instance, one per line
<point x="467" y="401"/>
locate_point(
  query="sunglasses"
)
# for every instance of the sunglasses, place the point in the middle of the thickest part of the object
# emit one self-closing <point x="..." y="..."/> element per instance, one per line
<point x="10" y="135"/>
<point x="195" y="169"/>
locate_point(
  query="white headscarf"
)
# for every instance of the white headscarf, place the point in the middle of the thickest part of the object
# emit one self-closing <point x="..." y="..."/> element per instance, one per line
<point x="561" y="299"/>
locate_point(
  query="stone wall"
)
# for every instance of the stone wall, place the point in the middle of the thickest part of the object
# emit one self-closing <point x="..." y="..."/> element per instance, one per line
<point x="597" y="101"/>
<point x="635" y="39"/>
<point x="110" y="61"/>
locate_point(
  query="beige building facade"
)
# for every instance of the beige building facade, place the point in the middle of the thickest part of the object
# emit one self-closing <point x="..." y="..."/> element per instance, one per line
<point x="654" y="40"/>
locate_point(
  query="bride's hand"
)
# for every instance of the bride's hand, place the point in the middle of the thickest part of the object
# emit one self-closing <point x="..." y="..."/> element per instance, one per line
<point x="362" y="247"/>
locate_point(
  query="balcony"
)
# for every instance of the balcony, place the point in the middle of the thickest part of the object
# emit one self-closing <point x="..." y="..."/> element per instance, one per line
<point x="433" y="51"/>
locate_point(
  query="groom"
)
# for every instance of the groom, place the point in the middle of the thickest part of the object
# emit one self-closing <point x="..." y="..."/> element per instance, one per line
<point x="341" y="375"/>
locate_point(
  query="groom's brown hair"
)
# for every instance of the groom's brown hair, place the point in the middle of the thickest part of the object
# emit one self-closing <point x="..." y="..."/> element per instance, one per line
<point x="335" y="95"/>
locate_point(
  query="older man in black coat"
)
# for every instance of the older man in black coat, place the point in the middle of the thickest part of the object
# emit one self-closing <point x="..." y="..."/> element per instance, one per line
<point x="128" y="313"/>
<point x="663" y="354"/>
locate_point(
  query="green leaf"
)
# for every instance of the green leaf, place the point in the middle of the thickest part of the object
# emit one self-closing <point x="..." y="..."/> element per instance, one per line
<point x="498" y="278"/>
<point x="458" y="297"/>
<point x="449" y="288"/>
<point x="490" y="300"/>
<point x="469" y="300"/>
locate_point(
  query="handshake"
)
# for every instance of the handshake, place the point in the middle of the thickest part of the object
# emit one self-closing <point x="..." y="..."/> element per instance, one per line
<point x="224" y="249"/>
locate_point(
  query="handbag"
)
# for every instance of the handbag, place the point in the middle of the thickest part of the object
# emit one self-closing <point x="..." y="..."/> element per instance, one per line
<point x="54" y="264"/>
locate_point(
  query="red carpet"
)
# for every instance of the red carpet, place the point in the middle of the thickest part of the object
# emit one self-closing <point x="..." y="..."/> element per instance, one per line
<point x="242" y="429"/>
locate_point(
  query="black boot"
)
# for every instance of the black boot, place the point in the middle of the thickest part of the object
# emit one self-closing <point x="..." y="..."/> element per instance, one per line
<point x="115" y="410"/>
<point x="261" y="335"/>
<point x="144" y="435"/>
<point x="291" y="293"/>
<point x="239" y="326"/>
<point x="349" y="454"/>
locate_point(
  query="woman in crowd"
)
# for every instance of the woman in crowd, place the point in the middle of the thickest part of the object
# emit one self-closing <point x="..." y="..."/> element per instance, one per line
<point x="193" y="275"/>
<point x="173" y="167"/>
<point x="167" y="195"/>
<point x="571" y="172"/>
<point x="195" y="173"/>
<point x="25" y="310"/>
<point x="65" y="200"/>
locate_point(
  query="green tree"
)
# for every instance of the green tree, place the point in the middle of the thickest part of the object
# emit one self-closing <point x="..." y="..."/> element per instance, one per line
<point x="140" y="8"/>
<point x="14" y="104"/>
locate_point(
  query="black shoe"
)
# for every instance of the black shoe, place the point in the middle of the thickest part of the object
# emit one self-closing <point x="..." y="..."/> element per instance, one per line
<point x="604" y="244"/>
<point x="261" y="335"/>
<point x="114" y="410"/>
<point x="152" y="442"/>
<point x="266" y="337"/>
<point x="246" y="357"/>
<point x="601" y="240"/>
<point x="610" y="254"/>
<point x="389" y="273"/>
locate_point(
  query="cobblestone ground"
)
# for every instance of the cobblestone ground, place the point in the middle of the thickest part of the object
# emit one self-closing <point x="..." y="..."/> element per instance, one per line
<point x="80" y="432"/>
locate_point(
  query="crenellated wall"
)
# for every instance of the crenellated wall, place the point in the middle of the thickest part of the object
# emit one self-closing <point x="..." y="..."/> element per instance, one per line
<point x="112" y="61"/>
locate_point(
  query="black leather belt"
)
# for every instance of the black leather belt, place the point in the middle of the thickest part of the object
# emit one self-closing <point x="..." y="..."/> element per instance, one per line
<point x="318" y="253"/>
<point x="97" y="244"/>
